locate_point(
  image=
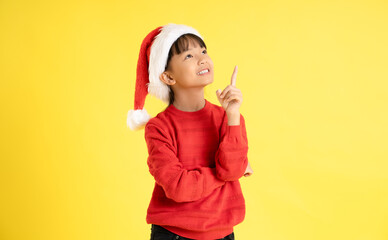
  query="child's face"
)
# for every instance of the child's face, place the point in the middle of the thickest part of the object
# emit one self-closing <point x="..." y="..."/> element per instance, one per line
<point x="185" y="68"/>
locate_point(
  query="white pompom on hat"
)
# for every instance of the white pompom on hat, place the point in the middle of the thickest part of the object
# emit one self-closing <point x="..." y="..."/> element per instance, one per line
<point x="151" y="64"/>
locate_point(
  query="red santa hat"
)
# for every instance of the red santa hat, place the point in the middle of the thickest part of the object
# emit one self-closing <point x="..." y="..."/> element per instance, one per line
<point x="150" y="65"/>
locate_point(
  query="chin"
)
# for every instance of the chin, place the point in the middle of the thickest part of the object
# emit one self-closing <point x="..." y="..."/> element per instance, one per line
<point x="210" y="78"/>
<point x="209" y="81"/>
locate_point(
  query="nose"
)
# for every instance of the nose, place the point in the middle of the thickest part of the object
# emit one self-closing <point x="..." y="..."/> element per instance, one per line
<point x="202" y="60"/>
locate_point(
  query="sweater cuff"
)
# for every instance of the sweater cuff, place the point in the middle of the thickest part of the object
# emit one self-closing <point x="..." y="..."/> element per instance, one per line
<point x="234" y="133"/>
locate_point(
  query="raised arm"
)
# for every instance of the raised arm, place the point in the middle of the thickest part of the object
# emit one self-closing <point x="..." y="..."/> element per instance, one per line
<point x="232" y="155"/>
<point x="179" y="184"/>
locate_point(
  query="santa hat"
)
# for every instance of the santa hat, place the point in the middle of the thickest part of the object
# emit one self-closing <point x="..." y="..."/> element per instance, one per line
<point x="150" y="65"/>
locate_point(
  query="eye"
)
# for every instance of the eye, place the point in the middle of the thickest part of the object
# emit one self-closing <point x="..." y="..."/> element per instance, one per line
<point x="204" y="51"/>
<point x="188" y="55"/>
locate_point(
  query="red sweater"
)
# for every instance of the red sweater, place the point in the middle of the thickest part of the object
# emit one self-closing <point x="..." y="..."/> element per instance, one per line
<point x="196" y="159"/>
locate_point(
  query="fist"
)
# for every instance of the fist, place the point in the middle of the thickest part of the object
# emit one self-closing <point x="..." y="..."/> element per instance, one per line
<point x="231" y="97"/>
<point x="248" y="171"/>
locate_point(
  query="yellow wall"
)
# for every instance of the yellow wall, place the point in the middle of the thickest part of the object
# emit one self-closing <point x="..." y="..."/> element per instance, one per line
<point x="314" y="79"/>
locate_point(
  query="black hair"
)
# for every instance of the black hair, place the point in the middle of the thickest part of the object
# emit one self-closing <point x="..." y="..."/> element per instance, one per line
<point x="179" y="46"/>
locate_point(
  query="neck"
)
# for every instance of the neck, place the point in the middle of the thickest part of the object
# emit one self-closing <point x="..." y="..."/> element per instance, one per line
<point x="189" y="100"/>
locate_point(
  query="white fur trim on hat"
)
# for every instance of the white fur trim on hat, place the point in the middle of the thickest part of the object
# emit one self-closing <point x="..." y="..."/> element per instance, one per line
<point x="159" y="54"/>
<point x="137" y="119"/>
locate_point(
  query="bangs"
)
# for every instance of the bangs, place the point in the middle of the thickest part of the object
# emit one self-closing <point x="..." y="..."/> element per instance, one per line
<point x="182" y="44"/>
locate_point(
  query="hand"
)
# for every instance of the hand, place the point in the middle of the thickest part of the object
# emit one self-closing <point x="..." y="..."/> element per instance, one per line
<point x="248" y="171"/>
<point x="231" y="98"/>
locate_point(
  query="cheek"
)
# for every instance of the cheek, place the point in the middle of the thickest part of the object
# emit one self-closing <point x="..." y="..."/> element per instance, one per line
<point x="186" y="70"/>
<point x="179" y="70"/>
<point x="211" y="64"/>
<point x="183" y="73"/>
<point x="210" y="61"/>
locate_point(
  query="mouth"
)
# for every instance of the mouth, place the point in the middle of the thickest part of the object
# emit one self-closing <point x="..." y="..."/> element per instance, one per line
<point x="204" y="71"/>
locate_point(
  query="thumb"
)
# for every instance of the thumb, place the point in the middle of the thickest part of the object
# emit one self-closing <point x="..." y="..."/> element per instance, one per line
<point x="218" y="92"/>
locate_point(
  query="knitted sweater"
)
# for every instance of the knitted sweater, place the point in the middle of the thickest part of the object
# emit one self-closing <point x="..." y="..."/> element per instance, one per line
<point x="196" y="159"/>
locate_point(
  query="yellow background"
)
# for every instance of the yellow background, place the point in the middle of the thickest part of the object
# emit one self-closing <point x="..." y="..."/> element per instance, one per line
<point x="314" y="79"/>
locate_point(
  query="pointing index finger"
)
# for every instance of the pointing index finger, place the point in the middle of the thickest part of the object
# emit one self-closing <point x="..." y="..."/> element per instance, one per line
<point x="234" y="75"/>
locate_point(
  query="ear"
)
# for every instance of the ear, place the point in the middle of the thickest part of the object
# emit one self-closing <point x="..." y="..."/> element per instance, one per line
<point x="167" y="78"/>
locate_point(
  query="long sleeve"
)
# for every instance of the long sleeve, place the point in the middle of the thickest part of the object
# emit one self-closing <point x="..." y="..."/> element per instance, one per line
<point x="190" y="155"/>
<point x="179" y="184"/>
<point x="231" y="157"/>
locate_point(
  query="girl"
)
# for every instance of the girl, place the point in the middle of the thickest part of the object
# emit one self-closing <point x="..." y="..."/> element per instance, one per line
<point x="197" y="150"/>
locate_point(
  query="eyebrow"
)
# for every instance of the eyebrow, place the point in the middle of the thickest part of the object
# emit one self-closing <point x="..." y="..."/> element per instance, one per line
<point x="187" y="50"/>
<point x="191" y="49"/>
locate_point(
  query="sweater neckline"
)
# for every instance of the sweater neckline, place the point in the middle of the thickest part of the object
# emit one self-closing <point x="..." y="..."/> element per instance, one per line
<point x="199" y="112"/>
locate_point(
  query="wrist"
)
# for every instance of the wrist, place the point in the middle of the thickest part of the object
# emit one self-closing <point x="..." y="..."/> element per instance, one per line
<point x="233" y="118"/>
